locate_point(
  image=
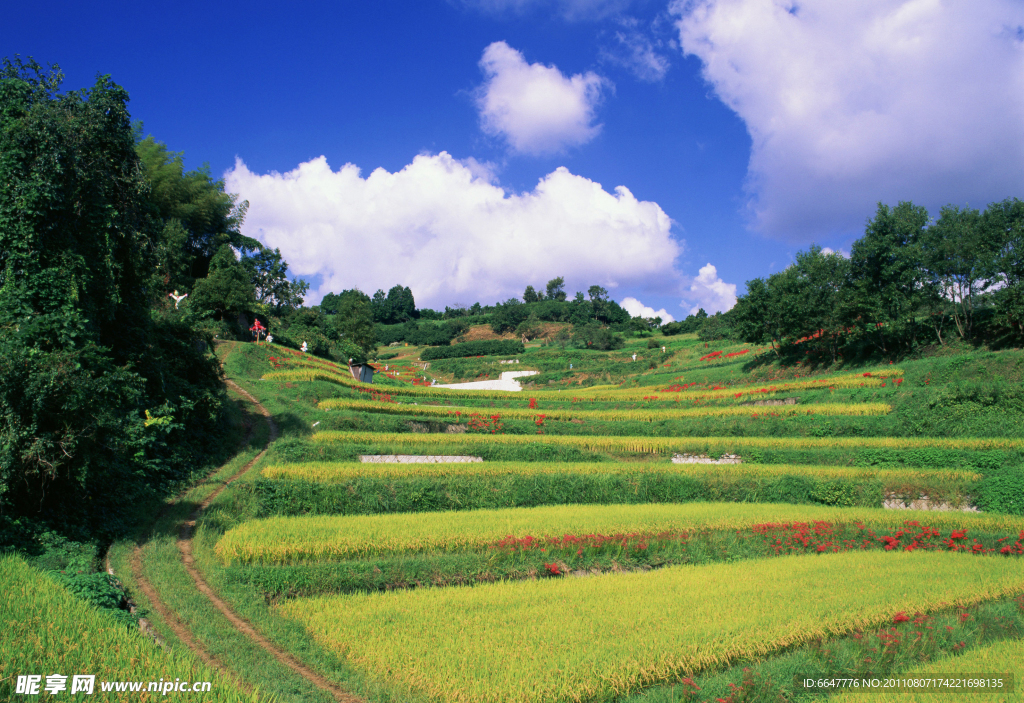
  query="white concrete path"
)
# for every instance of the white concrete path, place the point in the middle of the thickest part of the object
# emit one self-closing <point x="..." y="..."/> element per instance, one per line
<point x="505" y="382"/>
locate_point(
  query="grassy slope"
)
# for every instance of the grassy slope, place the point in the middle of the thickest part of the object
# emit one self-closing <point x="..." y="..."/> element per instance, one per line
<point x="294" y="407"/>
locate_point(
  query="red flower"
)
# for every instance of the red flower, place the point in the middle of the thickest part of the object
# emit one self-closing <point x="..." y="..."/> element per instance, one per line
<point x="900" y="617"/>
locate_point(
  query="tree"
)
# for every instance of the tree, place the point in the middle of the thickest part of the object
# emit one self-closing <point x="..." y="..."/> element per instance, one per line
<point x="822" y="287"/>
<point x="609" y="312"/>
<point x="580" y="311"/>
<point x="227" y="292"/>
<point x="1003" y="223"/>
<point x="508" y="316"/>
<point x="354" y="319"/>
<point x="556" y="289"/>
<point x="275" y="294"/>
<point x="530" y="295"/>
<point x="959" y="257"/>
<point x="597" y="294"/>
<point x="381" y="310"/>
<point x="713" y="328"/>
<point x="594" y="336"/>
<point x="891" y="283"/>
<point x="196" y="215"/>
<point x="102" y="403"/>
<point x="400" y="305"/>
<point x="755" y="321"/>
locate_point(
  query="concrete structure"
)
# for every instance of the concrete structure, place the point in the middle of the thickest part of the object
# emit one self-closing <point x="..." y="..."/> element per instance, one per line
<point x="505" y="382"/>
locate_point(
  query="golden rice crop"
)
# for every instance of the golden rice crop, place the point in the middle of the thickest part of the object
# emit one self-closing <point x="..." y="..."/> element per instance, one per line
<point x="290" y="540"/>
<point x="46" y="630"/>
<point x="560" y="640"/>
<point x="1005" y="657"/>
<point x="328" y="472"/>
<point x="655" y="445"/>
<point x="873" y="379"/>
<point x="641" y="415"/>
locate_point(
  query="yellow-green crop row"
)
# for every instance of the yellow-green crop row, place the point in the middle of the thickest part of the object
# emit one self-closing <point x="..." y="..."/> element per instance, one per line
<point x="561" y="640"/>
<point x="875" y="379"/>
<point x="304" y="539"/>
<point x="334" y="472"/>
<point x="636" y="414"/>
<point x="655" y="445"/>
<point x="46" y="630"/>
<point x="1005" y="657"/>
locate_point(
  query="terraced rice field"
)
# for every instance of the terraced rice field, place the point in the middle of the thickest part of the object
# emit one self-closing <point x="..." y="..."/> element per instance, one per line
<point x="328" y="472"/>
<point x="587" y="639"/>
<point x="655" y="445"/>
<point x="575" y="566"/>
<point x="309" y="539"/>
<point x="824" y="409"/>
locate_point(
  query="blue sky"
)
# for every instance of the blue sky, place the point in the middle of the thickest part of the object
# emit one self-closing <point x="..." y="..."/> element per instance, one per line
<point x="743" y="130"/>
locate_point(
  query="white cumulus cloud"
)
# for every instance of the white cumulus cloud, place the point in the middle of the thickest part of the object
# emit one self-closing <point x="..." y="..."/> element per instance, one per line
<point x="536" y="108"/>
<point x="637" y="309"/>
<point x="710" y="292"/>
<point x="442" y="228"/>
<point x="851" y="103"/>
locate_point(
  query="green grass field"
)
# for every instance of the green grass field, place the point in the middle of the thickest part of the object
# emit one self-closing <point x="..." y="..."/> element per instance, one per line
<point x="576" y="562"/>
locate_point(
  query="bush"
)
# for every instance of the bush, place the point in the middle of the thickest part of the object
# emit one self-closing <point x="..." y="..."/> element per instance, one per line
<point x="1002" y="494"/>
<point x="593" y="336"/>
<point x="496" y="347"/>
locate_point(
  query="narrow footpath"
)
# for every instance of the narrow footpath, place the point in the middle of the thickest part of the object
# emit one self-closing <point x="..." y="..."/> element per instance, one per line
<point x="181" y="629"/>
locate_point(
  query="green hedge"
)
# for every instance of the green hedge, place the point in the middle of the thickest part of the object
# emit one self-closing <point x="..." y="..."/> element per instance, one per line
<point x="488" y="347"/>
<point x="375" y="495"/>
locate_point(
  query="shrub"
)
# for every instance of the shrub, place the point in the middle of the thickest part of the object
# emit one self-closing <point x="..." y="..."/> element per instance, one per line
<point x="481" y="348"/>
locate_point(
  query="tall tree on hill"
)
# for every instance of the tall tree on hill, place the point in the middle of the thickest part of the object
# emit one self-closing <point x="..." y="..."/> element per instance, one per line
<point x="381" y="313"/>
<point x="890" y="279"/>
<point x="275" y="293"/>
<point x="822" y="287"/>
<point x="395" y="307"/>
<point x="530" y="295"/>
<point x="769" y="313"/>
<point x="196" y="215"/>
<point x="556" y="289"/>
<point x="354" y="319"/>
<point x="959" y="256"/>
<point x="1003" y="223"/>
<point x="227" y="291"/>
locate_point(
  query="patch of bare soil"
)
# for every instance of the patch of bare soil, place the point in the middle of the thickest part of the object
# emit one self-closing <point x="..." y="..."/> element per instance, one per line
<point x="477" y="333"/>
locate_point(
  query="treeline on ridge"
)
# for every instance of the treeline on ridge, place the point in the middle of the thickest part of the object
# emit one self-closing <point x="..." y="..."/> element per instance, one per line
<point x="908" y="281"/>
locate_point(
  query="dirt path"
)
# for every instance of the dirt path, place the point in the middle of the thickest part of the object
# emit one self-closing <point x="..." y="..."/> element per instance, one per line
<point x="180" y="629"/>
<point x="239" y="623"/>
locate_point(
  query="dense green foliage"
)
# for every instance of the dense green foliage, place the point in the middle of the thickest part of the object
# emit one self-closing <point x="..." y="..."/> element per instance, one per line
<point x="495" y="347"/>
<point x="907" y="281"/>
<point x="421" y="494"/>
<point x="103" y="400"/>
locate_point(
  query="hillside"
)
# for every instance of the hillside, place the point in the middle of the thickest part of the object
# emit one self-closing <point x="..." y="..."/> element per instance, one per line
<point x="313" y="576"/>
